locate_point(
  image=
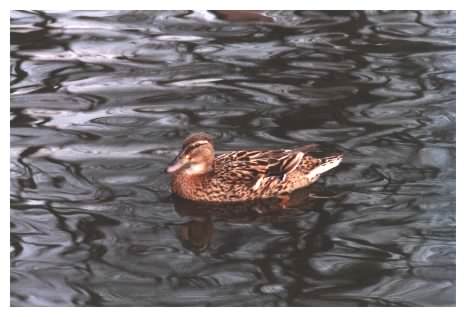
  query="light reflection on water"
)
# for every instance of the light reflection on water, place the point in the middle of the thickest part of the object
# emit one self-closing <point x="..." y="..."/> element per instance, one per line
<point x="101" y="100"/>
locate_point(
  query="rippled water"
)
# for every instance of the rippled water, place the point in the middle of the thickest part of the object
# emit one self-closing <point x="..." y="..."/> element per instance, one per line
<point x="101" y="101"/>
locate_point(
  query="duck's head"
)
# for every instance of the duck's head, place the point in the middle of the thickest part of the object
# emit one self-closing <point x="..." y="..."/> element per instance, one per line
<point x="196" y="156"/>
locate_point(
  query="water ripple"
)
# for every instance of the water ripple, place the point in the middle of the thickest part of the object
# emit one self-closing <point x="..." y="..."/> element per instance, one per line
<point x="101" y="100"/>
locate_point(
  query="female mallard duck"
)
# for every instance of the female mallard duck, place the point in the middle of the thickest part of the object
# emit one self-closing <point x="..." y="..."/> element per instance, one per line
<point x="197" y="174"/>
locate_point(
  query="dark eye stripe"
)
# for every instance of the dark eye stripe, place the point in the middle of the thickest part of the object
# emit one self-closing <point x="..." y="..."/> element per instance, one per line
<point x="192" y="146"/>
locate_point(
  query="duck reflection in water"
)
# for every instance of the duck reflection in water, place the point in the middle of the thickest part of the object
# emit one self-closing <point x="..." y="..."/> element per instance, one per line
<point x="198" y="232"/>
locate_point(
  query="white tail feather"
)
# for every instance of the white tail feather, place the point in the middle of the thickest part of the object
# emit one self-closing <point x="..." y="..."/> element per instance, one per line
<point x="324" y="167"/>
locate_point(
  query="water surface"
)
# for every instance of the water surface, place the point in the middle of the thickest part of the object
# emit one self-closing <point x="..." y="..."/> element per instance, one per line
<point x="101" y="101"/>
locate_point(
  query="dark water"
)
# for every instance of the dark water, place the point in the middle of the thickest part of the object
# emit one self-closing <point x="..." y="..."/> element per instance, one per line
<point x="100" y="102"/>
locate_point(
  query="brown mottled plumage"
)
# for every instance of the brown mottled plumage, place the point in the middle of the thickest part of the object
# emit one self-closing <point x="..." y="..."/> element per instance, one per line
<point x="197" y="174"/>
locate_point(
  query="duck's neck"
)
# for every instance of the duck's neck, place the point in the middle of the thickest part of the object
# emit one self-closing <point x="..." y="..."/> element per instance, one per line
<point x="189" y="185"/>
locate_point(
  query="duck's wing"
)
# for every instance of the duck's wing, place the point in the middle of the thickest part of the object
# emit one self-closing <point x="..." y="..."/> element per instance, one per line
<point x="254" y="166"/>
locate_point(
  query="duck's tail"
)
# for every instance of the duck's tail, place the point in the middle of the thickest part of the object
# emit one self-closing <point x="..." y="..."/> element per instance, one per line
<point x="325" y="164"/>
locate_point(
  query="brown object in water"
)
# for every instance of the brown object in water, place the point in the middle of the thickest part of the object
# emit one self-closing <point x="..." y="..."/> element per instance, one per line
<point x="199" y="175"/>
<point x="242" y="15"/>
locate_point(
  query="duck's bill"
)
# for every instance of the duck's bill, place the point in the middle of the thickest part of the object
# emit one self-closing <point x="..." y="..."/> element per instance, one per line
<point x="174" y="166"/>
